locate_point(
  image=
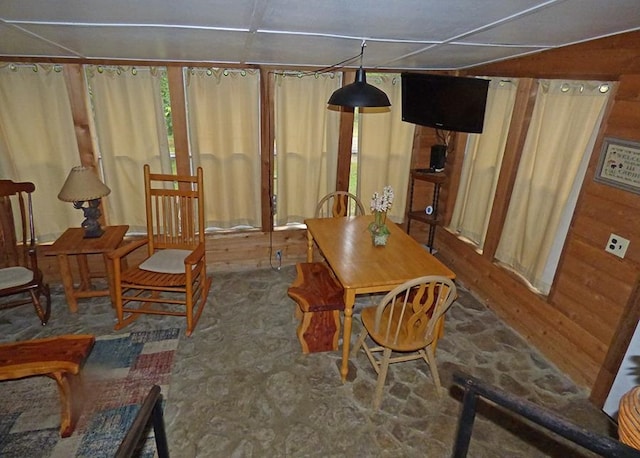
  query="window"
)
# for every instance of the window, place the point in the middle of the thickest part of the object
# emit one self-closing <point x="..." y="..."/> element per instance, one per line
<point x="130" y="132"/>
<point x="223" y="116"/>
<point x="306" y="143"/>
<point x="38" y="142"/>
<point x="384" y="148"/>
<point x="481" y="165"/>
<point x="563" y="128"/>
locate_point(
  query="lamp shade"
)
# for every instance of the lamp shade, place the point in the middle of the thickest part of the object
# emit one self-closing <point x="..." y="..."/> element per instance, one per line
<point x="359" y="94"/>
<point x="82" y="184"/>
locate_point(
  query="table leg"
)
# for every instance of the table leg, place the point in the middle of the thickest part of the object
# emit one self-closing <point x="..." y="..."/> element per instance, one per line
<point x="349" y="301"/>
<point x="309" y="247"/>
<point x="110" y="278"/>
<point x="85" y="276"/>
<point x="67" y="281"/>
<point x="68" y="415"/>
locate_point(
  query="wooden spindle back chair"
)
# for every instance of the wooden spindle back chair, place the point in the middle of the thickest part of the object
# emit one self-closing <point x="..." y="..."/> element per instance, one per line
<point x="407" y="322"/>
<point x="172" y="280"/>
<point x="339" y="203"/>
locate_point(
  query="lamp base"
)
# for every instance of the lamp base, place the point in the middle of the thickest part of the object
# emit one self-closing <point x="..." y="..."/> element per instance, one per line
<point x="93" y="234"/>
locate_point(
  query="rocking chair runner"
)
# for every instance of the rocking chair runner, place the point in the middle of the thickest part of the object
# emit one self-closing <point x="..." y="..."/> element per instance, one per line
<point x="172" y="280"/>
<point x="19" y="272"/>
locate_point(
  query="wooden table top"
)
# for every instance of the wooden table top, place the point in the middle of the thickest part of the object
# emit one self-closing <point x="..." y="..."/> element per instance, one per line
<point x="347" y="247"/>
<point x="72" y="241"/>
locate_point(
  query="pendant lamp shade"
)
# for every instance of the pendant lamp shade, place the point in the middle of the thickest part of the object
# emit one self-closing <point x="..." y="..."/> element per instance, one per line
<point x="359" y="94"/>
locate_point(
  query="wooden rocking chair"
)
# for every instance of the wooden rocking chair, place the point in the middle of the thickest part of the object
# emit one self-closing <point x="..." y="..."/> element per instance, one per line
<point x="172" y="280"/>
<point x="20" y="277"/>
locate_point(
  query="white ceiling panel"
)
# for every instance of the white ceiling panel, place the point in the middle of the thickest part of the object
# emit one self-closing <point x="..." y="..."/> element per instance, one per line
<point x="309" y="50"/>
<point x="567" y="22"/>
<point x="219" y="13"/>
<point x="407" y="34"/>
<point x="421" y="20"/>
<point x="138" y="43"/>
<point x="18" y="43"/>
<point x="449" y="57"/>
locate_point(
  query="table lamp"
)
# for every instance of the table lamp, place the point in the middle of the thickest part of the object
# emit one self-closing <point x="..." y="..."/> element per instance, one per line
<point x="83" y="185"/>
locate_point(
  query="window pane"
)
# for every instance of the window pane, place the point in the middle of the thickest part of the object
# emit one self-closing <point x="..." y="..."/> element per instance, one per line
<point x="306" y="142"/>
<point x="131" y="132"/>
<point x="223" y="116"/>
<point x="482" y="163"/>
<point x="565" y="119"/>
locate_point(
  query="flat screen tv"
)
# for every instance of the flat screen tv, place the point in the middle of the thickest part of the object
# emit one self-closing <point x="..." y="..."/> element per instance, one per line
<point x="444" y="102"/>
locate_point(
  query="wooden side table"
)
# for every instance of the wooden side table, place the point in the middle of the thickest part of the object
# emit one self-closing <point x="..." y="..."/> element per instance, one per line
<point x="73" y="243"/>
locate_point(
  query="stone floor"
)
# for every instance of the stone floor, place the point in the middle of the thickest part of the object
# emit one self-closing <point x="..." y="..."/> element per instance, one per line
<point x="242" y="388"/>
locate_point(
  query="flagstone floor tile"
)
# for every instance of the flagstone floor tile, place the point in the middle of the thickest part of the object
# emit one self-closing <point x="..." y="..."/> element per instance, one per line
<point x="241" y="387"/>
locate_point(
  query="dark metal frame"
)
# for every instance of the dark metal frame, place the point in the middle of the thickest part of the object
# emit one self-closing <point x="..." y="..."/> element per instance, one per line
<point x="473" y="389"/>
<point x="150" y="411"/>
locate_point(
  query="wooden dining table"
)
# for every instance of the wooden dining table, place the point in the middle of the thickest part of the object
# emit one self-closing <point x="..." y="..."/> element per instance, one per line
<point x="363" y="268"/>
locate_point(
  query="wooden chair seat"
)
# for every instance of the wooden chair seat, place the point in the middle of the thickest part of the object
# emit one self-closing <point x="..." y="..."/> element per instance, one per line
<point x="320" y="298"/>
<point x="60" y="358"/>
<point x="149" y="278"/>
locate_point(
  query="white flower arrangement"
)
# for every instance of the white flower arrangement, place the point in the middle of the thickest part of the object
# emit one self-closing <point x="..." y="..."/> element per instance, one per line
<point x="382" y="203"/>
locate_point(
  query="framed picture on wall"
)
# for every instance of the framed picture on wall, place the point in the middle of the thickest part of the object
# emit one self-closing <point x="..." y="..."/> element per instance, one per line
<point x="619" y="164"/>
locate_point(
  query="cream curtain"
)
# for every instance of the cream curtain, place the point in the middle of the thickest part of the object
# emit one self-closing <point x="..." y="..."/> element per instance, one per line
<point x="481" y="165"/>
<point x="223" y="110"/>
<point x="565" y="116"/>
<point x="385" y="143"/>
<point x="131" y="132"/>
<point x="306" y="144"/>
<point x="38" y="142"/>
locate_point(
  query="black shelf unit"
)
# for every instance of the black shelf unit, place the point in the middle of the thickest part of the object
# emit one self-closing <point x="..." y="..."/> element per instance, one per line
<point x="433" y="220"/>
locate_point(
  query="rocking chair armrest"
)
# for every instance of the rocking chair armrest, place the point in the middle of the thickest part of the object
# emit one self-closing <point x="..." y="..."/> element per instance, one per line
<point x="195" y="256"/>
<point x="124" y="250"/>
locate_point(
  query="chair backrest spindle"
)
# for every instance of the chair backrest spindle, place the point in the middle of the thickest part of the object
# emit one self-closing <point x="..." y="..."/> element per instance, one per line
<point x="410" y="313"/>
<point x="173" y="216"/>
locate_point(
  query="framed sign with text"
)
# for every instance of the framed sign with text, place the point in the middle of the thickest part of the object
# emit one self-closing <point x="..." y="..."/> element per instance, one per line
<point x="619" y="164"/>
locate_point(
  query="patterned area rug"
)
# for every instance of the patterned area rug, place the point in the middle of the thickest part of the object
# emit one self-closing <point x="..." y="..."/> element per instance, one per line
<point x="116" y="377"/>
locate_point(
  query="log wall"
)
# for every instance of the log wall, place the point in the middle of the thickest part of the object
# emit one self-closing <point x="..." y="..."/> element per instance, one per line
<point x="584" y="324"/>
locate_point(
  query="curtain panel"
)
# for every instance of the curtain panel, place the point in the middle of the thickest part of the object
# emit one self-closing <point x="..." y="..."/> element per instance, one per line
<point x="565" y="119"/>
<point x="223" y="115"/>
<point x="131" y="131"/>
<point x="385" y="144"/>
<point x="38" y="141"/>
<point x="306" y="143"/>
<point x="481" y="165"/>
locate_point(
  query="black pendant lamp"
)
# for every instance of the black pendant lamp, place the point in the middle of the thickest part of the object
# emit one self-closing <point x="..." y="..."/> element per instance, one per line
<point x="359" y="93"/>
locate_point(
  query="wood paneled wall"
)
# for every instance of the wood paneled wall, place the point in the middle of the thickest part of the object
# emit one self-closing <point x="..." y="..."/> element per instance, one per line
<point x="581" y="320"/>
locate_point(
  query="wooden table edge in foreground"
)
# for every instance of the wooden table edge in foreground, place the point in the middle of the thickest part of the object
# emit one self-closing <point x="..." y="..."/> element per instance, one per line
<point x="340" y="239"/>
<point x="60" y="358"/>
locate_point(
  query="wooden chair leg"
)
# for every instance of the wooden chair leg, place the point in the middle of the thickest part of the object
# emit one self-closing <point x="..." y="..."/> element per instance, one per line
<point x="42" y="313"/>
<point x="431" y="358"/>
<point x="382" y="376"/>
<point x="359" y="342"/>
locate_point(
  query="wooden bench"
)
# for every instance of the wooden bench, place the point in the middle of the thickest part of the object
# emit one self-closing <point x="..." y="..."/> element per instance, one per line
<point x="57" y="357"/>
<point x="320" y="299"/>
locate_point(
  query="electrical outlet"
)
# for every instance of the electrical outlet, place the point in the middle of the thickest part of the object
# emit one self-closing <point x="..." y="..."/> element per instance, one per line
<point x="279" y="255"/>
<point x="617" y="245"/>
